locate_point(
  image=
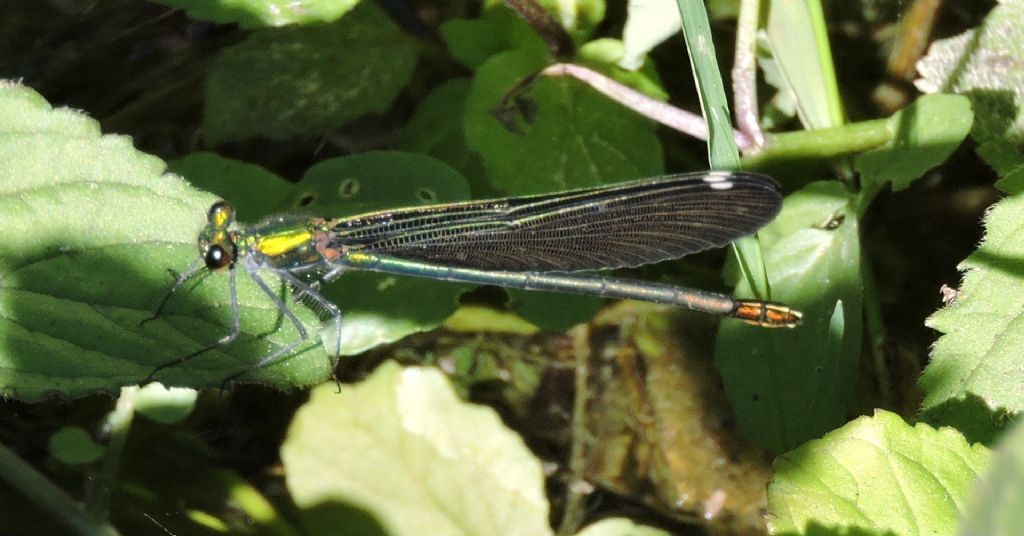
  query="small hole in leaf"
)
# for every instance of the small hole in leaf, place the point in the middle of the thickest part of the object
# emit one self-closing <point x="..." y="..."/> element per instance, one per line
<point x="306" y="199"/>
<point x="834" y="222"/>
<point x="426" y="195"/>
<point x="348" y="188"/>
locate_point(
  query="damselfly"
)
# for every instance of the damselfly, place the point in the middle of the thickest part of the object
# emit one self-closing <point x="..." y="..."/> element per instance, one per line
<point x="536" y="242"/>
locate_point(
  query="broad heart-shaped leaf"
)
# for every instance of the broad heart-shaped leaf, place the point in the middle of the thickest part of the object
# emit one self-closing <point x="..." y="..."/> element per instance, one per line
<point x="90" y="229"/>
<point x="997" y="504"/>
<point x="790" y="385"/>
<point x="302" y="81"/>
<point x="987" y="65"/>
<point x="403" y="447"/>
<point x="876" y="475"/>
<point x="569" y="137"/>
<point x="498" y="28"/>
<point x="260" y="13"/>
<point x="254" y="192"/>
<point x="925" y="134"/>
<point x="472" y="41"/>
<point x="381" y="308"/>
<point x="436" y="129"/>
<point x="979" y="354"/>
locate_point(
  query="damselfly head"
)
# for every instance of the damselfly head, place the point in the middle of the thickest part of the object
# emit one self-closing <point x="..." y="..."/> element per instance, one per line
<point x="216" y="246"/>
<point x="221" y="215"/>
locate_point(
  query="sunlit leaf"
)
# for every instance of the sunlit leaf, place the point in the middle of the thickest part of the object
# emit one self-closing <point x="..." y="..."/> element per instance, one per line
<point x="876" y="475"/>
<point x="402" y="446"/>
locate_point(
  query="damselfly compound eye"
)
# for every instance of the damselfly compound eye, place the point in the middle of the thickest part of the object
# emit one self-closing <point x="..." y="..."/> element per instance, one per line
<point x="217" y="257"/>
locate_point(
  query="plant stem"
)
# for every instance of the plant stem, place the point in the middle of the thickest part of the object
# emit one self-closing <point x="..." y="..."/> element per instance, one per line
<point x="575" y="508"/>
<point x="744" y="72"/>
<point x="31" y="483"/>
<point x="117" y="425"/>
<point x="675" y="118"/>
<point x="876" y="333"/>
<point x="821" y="143"/>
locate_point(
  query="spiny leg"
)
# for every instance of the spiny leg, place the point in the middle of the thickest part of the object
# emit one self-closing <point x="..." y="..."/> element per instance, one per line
<point x="281" y="306"/>
<point x="193" y="270"/>
<point x="227" y="339"/>
<point x="310" y="291"/>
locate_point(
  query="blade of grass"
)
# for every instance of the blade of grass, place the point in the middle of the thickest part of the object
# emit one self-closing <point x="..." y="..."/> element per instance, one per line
<point x="722" y="151"/>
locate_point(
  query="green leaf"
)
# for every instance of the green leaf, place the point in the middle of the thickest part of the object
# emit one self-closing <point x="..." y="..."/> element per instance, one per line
<point x="577" y="137"/>
<point x="978" y="354"/>
<point x="436" y="129"/>
<point x="382" y="308"/>
<point x="876" y="475"/>
<point x="925" y="134"/>
<point x="1007" y="160"/>
<point x="165" y="405"/>
<point x="418" y="458"/>
<point x="578" y="17"/>
<point x="91" y="228"/>
<point x="302" y="81"/>
<point x="553" y="311"/>
<point x="472" y="41"/>
<point x="997" y="506"/>
<point x="798" y="41"/>
<point x="790" y="385"/>
<point x="74" y="446"/>
<point x="985" y="64"/>
<point x="252" y="190"/>
<point x="619" y="526"/>
<point x="605" y="54"/>
<point x="261" y="13"/>
<point x="26" y="112"/>
<point x="648" y="24"/>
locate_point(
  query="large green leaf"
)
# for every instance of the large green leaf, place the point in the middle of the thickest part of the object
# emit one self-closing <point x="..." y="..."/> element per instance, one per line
<point x="876" y="475"/>
<point x="402" y="446"/>
<point x="90" y="229"/>
<point x="254" y="192"/>
<point x="303" y="81"/>
<point x="924" y="135"/>
<point x="576" y="137"/>
<point x="790" y="385"/>
<point x="979" y="354"/>
<point x="436" y="129"/>
<point x="997" y="504"/>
